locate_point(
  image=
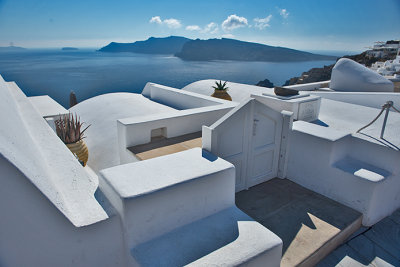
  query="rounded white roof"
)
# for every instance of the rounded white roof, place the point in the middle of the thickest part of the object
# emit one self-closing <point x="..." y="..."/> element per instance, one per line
<point x="350" y="76"/>
<point x="102" y="113"/>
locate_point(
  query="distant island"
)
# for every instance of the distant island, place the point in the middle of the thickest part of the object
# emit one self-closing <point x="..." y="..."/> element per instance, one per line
<point x="69" y="49"/>
<point x="214" y="49"/>
<point x="168" y="45"/>
<point x="12" y="48"/>
<point x="230" y="49"/>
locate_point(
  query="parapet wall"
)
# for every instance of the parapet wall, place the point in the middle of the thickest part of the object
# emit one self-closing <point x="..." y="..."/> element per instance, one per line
<point x="368" y="99"/>
<point x="179" y="99"/>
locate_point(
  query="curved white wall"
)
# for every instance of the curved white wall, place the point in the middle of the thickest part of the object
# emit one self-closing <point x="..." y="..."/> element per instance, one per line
<point x="350" y="76"/>
<point x="34" y="233"/>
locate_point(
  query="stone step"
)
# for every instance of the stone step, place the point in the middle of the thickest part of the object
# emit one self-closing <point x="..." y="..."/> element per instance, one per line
<point x="377" y="246"/>
<point x="158" y="195"/>
<point x="180" y="209"/>
<point x="227" y="238"/>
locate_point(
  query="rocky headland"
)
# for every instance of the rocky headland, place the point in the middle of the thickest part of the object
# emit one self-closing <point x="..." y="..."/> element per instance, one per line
<point x="324" y="73"/>
<point x="168" y="45"/>
<point x="265" y="83"/>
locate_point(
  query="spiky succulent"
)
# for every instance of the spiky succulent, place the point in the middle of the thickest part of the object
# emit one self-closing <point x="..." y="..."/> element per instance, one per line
<point x="68" y="128"/>
<point x="220" y="86"/>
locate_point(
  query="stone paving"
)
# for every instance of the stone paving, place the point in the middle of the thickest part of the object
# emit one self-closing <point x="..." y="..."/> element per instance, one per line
<point x="310" y="225"/>
<point x="376" y="246"/>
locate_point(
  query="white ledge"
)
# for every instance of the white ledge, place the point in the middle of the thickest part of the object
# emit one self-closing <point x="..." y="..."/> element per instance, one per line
<point x="163" y="172"/>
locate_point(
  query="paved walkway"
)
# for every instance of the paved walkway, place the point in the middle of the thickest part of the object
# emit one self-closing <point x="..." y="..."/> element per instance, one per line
<point x="377" y="246"/>
<point x="310" y="225"/>
<point x="164" y="146"/>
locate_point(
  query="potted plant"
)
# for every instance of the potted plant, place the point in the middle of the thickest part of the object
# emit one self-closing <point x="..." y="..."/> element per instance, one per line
<point x="68" y="128"/>
<point x="220" y="91"/>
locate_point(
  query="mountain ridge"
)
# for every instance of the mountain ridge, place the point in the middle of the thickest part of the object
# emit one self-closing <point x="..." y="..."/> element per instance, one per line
<point x="153" y="45"/>
<point x="231" y="49"/>
<point x="214" y="49"/>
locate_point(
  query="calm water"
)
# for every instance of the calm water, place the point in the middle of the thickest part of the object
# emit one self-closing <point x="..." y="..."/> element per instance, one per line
<point x="89" y="73"/>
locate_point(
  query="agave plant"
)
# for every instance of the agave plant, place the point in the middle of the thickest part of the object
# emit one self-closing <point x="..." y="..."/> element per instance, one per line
<point x="68" y="128"/>
<point x="220" y="86"/>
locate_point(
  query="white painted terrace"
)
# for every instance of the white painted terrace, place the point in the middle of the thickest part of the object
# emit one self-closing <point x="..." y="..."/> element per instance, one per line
<point x="121" y="211"/>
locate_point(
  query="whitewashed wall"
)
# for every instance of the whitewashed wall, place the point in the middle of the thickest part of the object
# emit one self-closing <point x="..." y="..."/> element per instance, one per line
<point x="177" y="98"/>
<point x="180" y="209"/>
<point x="309" y="86"/>
<point x="368" y="99"/>
<point x="359" y="174"/>
<point x="35" y="233"/>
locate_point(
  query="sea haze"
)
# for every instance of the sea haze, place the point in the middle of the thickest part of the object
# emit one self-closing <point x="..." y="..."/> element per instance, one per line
<point x="90" y="73"/>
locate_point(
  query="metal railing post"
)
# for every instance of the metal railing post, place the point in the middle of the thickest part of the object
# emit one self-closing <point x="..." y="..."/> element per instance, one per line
<point x="387" y="106"/>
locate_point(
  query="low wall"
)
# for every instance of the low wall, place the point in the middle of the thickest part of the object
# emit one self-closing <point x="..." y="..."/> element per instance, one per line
<point x="138" y="130"/>
<point x="373" y="100"/>
<point x="314" y="154"/>
<point x="191" y="187"/>
<point x="179" y="210"/>
<point x="309" y="86"/>
<point x="34" y="233"/>
<point x="177" y="98"/>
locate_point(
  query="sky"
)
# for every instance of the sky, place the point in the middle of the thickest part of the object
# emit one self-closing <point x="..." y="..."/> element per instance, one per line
<point x="342" y="25"/>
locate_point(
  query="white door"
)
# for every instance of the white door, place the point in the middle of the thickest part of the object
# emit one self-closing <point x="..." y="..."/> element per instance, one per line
<point x="249" y="137"/>
<point x="263" y="158"/>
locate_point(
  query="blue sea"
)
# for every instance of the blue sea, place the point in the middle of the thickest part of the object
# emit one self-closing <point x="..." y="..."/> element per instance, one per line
<point x="89" y="73"/>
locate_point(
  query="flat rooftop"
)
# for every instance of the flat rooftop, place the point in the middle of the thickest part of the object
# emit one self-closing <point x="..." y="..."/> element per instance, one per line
<point x="348" y="118"/>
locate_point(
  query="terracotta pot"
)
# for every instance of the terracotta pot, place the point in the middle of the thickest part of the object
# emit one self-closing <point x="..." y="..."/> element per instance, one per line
<point x="222" y="94"/>
<point x="80" y="149"/>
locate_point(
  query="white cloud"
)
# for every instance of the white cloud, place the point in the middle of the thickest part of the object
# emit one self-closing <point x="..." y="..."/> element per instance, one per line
<point x="156" y="19"/>
<point x="262" y="23"/>
<point x="170" y="23"/>
<point x="193" y="28"/>
<point x="228" y="35"/>
<point x="234" y="22"/>
<point x="284" y="13"/>
<point x="211" y="27"/>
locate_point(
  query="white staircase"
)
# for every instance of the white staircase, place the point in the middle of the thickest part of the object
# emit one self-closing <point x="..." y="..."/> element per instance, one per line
<point x="180" y="210"/>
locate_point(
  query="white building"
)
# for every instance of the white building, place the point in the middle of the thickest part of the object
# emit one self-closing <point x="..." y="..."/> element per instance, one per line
<point x="179" y="209"/>
<point x="384" y="49"/>
<point x="388" y="67"/>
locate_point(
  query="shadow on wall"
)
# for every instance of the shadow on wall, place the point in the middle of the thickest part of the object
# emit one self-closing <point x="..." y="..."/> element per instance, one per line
<point x="209" y="156"/>
<point x="191" y="242"/>
<point x="383" y="141"/>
